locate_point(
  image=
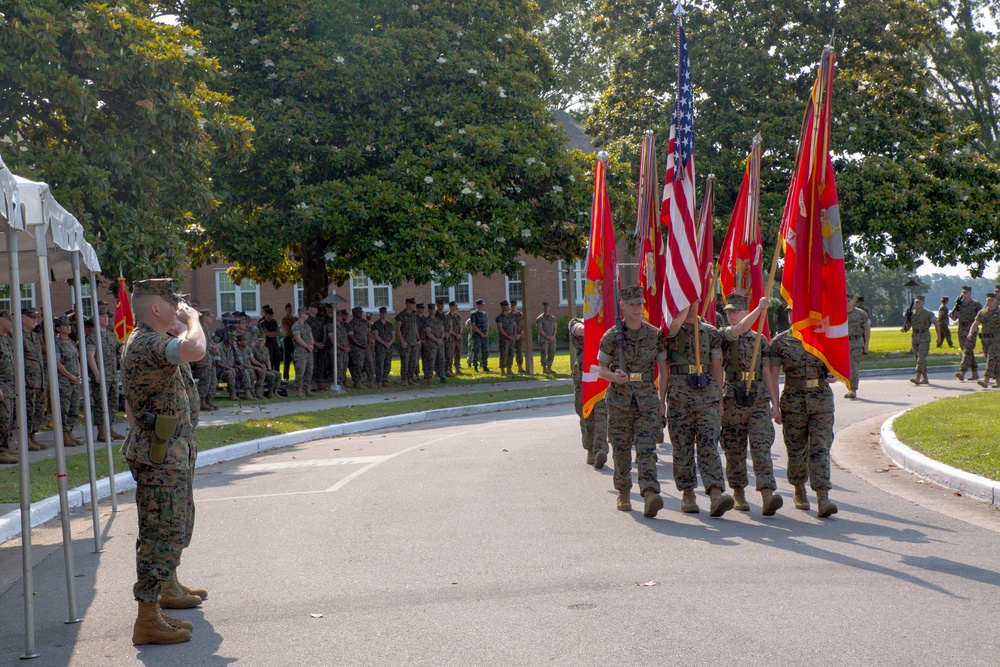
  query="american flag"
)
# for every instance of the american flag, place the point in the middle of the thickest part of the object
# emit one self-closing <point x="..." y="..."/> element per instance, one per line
<point x="683" y="283"/>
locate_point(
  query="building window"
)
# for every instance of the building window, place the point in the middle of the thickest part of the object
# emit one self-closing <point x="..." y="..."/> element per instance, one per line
<point x="579" y="281"/>
<point x="27" y="297"/>
<point x="88" y="299"/>
<point x="232" y="297"/>
<point x="300" y="296"/>
<point x="461" y="293"/>
<point x="515" y="285"/>
<point x="367" y="295"/>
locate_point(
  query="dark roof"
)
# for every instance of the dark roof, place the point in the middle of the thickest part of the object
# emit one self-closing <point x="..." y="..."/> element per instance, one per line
<point x="578" y="138"/>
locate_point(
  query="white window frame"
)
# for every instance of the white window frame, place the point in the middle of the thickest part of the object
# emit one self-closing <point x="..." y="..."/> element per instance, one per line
<point x="298" y="297"/>
<point x="464" y="305"/>
<point x="579" y="275"/>
<point x="507" y="281"/>
<point x="27" y="298"/>
<point x="88" y="298"/>
<point x="370" y="288"/>
<point x="238" y="292"/>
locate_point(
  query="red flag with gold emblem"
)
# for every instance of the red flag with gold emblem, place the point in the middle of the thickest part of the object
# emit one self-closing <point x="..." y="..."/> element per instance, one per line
<point x="124" y="321"/>
<point x="741" y="259"/>
<point x="813" y="280"/>
<point x="653" y="253"/>
<point x="598" y="293"/>
<point x="706" y="253"/>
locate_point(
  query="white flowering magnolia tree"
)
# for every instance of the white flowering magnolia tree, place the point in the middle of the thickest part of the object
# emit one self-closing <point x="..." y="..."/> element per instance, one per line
<point x="408" y="141"/>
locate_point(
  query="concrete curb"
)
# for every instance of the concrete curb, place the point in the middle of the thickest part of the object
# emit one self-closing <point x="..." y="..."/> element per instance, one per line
<point x="44" y="510"/>
<point x="966" y="483"/>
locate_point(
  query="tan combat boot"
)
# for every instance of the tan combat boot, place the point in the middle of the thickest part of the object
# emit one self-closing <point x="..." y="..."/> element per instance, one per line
<point x="770" y="502"/>
<point x="177" y="623"/>
<point x="590" y="457"/>
<point x="211" y="403"/>
<point x="600" y="458"/>
<point x="653" y="503"/>
<point x="926" y="381"/>
<point x="200" y="592"/>
<point x="115" y="435"/>
<point x="825" y="506"/>
<point x="915" y="379"/>
<point x="623" y="503"/>
<point x="721" y="502"/>
<point x="740" y="501"/>
<point x="9" y="456"/>
<point x="173" y="597"/>
<point x="800" y="500"/>
<point x="102" y="435"/>
<point x="34" y="445"/>
<point x="204" y="406"/>
<point x="961" y="376"/>
<point x="975" y="374"/>
<point x="151" y="628"/>
<point x="69" y="440"/>
<point x="688" y="503"/>
<point x="984" y="383"/>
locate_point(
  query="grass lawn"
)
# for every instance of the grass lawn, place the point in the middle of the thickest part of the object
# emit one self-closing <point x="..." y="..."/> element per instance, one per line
<point x="43" y="473"/>
<point x="960" y="431"/>
<point x="889" y="347"/>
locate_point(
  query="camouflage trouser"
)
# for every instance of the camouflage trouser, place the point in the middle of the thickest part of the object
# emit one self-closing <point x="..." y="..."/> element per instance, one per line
<point x="7" y="419"/>
<point x="506" y="353"/>
<point x="343" y="360"/>
<point x="921" y="347"/>
<point x="97" y="406"/>
<point x="227" y="377"/>
<point x="469" y="345"/>
<point x="992" y="345"/>
<point x="519" y="352"/>
<point x="246" y="379"/>
<point x="449" y="353"/>
<point x="808" y="437"/>
<point x="593" y="429"/>
<point x="207" y="382"/>
<point x="35" y="400"/>
<point x="358" y="364"/>
<point x="944" y="333"/>
<point x="69" y="403"/>
<point x="968" y="348"/>
<point x="695" y="430"/>
<point x="303" y="360"/>
<point x="628" y="428"/>
<point x="434" y="360"/>
<point x="165" y="508"/>
<point x="547" y="351"/>
<point x="269" y="382"/>
<point x="856" y="354"/>
<point x="383" y="362"/>
<point x="740" y="425"/>
<point x="480" y="351"/>
<point x="319" y="369"/>
<point x="408" y="360"/>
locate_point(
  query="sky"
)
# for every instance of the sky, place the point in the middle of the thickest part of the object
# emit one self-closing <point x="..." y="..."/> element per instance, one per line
<point x="961" y="270"/>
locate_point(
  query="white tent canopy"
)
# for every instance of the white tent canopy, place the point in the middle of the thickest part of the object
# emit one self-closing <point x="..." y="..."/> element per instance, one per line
<point x="9" y="198"/>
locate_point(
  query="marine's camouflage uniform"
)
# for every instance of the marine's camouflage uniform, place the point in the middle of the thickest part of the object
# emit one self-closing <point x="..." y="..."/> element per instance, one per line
<point x="806" y="412"/>
<point x="69" y="393"/>
<point x="7" y="419"/>
<point x="594" y="427"/>
<point x="433" y="352"/>
<point x="634" y="407"/>
<point x="35" y="380"/>
<point x="693" y="414"/>
<point x="965" y="313"/>
<point x="271" y="378"/>
<point x="752" y="423"/>
<point x="110" y="352"/>
<point x="856" y="321"/>
<point x="455" y="343"/>
<point x="507" y="324"/>
<point x="358" y="362"/>
<point x="479" y="345"/>
<point x="921" y="321"/>
<point x="546" y="348"/>
<point x="989" y="331"/>
<point x="302" y="357"/>
<point x="383" y="354"/>
<point x="519" y="343"/>
<point x="154" y="382"/>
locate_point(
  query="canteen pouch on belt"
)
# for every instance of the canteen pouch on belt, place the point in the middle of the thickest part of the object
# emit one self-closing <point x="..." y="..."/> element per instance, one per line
<point x="163" y="429"/>
<point x="745" y="397"/>
<point x="699" y="381"/>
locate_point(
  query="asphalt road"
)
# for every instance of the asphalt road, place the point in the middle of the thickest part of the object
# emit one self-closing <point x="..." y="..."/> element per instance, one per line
<point x="487" y="541"/>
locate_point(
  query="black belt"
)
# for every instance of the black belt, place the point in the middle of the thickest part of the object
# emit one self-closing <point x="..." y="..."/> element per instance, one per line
<point x="688" y="370"/>
<point x="811" y="383"/>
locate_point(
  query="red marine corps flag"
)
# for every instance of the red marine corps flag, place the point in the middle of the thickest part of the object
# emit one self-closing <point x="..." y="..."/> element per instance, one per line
<point x="599" y="292"/>
<point x="741" y="260"/>
<point x="653" y="254"/>
<point x="124" y="322"/>
<point x="813" y="280"/>
<point x="683" y="280"/>
<point x="706" y="253"/>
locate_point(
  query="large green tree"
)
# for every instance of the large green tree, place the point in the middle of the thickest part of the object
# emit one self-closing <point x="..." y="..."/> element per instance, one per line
<point x="117" y="114"/>
<point x="409" y="141"/>
<point x="908" y="184"/>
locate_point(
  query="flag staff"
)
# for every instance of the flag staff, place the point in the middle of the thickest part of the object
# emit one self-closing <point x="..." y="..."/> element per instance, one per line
<point x="752" y="211"/>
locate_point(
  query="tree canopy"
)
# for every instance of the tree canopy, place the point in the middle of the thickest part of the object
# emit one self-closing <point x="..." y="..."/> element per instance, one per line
<point x="406" y="141"/>
<point x="117" y="114"/>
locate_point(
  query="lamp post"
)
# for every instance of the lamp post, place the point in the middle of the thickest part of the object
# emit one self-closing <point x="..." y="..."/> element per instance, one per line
<point x="335" y="299"/>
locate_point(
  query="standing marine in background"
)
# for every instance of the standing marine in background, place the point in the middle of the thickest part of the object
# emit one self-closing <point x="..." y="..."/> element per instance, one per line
<point x="965" y="311"/>
<point x="989" y="319"/>
<point x="944" y="320"/>
<point x="921" y="321"/>
<point x="859" y="331"/>
<point x="546" y="324"/>
<point x="518" y="335"/>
